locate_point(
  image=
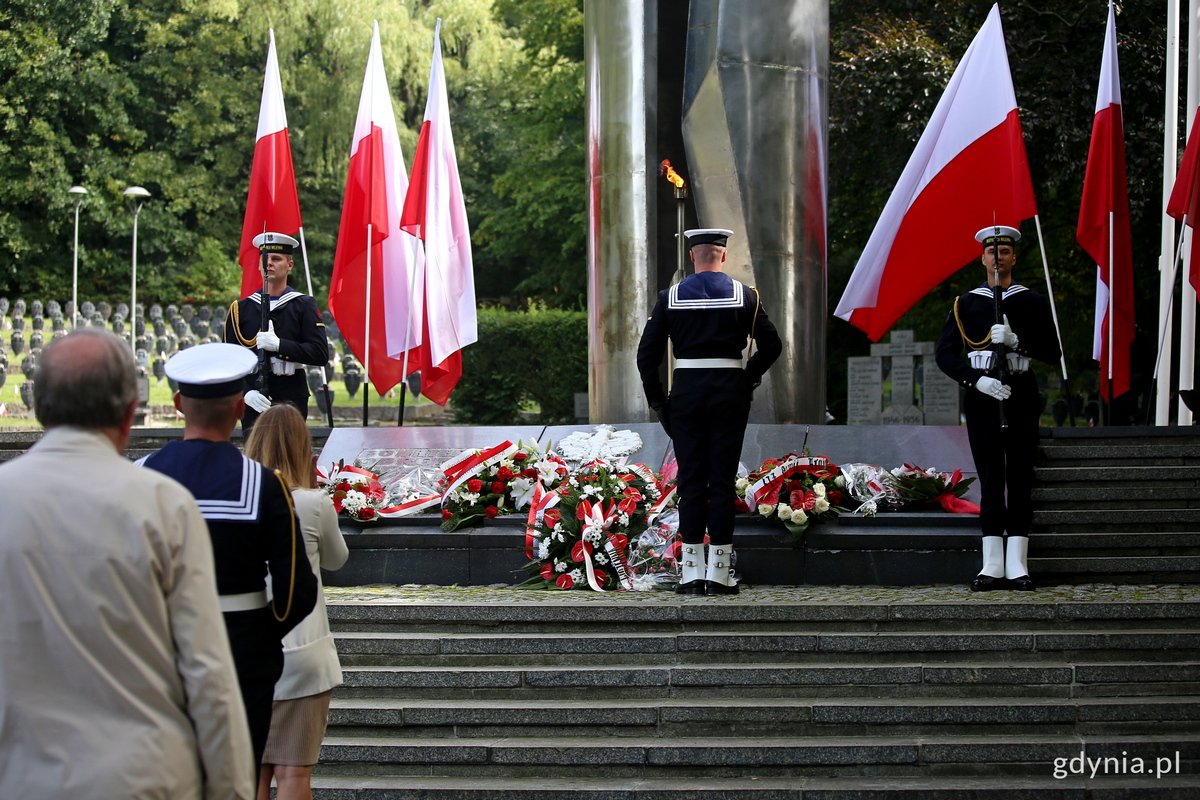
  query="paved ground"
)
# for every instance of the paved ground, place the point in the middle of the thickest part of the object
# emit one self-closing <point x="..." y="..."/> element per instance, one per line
<point x="753" y="595"/>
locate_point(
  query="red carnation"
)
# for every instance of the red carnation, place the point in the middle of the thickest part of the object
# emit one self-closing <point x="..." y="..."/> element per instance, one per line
<point x="344" y="486"/>
<point x="520" y="456"/>
<point x="491" y="511"/>
<point x="447" y="513"/>
<point x="475" y="486"/>
<point x="529" y="473"/>
<point x="366" y="513"/>
<point x="505" y="474"/>
<point x="565" y="582"/>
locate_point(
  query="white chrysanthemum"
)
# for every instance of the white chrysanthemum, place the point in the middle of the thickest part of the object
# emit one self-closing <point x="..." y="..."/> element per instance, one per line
<point x="592" y="535"/>
<point x="766" y="509"/>
<point x="600" y="558"/>
<point x="819" y="489"/>
<point x="821" y="506"/>
<point x="577" y="575"/>
<point x="623" y="519"/>
<point x="558" y="528"/>
<point x="543" y="549"/>
<point x="558" y="534"/>
<point x="560" y="566"/>
<point x="741" y="484"/>
<point x="590" y="489"/>
<point x="354" y="500"/>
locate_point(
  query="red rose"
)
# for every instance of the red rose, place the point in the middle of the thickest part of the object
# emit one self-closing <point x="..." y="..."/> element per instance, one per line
<point x="579" y="551"/>
<point x="366" y="513"/>
<point x="520" y="456"/>
<point x="447" y="513"/>
<point x="344" y="486"/>
<point x="497" y="487"/>
<point x="552" y="516"/>
<point x="565" y="582"/>
<point x="491" y="511"/>
<point x="529" y="473"/>
<point x="548" y="572"/>
<point x="505" y="474"/>
<point x="475" y="486"/>
<point x="740" y="506"/>
<point x="834" y="496"/>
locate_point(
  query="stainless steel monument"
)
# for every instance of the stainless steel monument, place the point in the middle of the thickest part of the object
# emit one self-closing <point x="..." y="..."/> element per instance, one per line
<point x="749" y="109"/>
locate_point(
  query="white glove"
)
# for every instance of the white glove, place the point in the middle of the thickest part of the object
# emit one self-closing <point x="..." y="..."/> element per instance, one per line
<point x="267" y="340"/>
<point x="260" y="402"/>
<point x="1002" y="334"/>
<point x="993" y="388"/>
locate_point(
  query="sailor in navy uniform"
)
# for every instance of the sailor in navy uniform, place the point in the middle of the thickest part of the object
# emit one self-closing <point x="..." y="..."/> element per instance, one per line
<point x="295" y="334"/>
<point x="250" y="519"/>
<point x="1004" y="457"/>
<point x="707" y="317"/>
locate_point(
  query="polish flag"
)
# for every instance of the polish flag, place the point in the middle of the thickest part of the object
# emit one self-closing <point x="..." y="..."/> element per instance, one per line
<point x="1185" y="197"/>
<point x="1103" y="230"/>
<point x="372" y="251"/>
<point x="272" y="203"/>
<point x="435" y="211"/>
<point x="968" y="170"/>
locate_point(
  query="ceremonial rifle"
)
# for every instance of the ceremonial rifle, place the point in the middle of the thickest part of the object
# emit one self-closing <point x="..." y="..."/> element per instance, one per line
<point x="999" y="354"/>
<point x="264" y="368"/>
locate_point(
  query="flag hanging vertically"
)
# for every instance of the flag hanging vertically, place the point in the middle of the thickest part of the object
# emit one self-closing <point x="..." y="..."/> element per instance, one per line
<point x="435" y="211"/>
<point x="371" y="249"/>
<point x="1103" y="230"/>
<point x="271" y="203"/>
<point x="1185" y="197"/>
<point x="969" y="169"/>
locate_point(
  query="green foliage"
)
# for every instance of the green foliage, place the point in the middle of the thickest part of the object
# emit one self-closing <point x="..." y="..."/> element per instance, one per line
<point x="537" y="356"/>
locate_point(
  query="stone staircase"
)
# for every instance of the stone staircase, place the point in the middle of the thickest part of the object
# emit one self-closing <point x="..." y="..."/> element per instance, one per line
<point x="834" y="693"/>
<point x="1118" y="505"/>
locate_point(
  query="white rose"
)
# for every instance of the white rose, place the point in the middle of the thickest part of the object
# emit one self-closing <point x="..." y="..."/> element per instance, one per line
<point x="784" y="511"/>
<point x="821" y="506"/>
<point x="766" y="509"/>
<point x="741" y="484"/>
<point x="819" y="489"/>
<point x="799" y="517"/>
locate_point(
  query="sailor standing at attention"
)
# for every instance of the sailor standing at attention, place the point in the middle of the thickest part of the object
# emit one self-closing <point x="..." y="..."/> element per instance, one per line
<point x="294" y="335"/>
<point x="707" y="317"/>
<point x="1002" y="403"/>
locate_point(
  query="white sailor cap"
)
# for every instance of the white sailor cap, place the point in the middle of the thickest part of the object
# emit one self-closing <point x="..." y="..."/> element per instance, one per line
<point x="211" y="370"/>
<point x="997" y="234"/>
<point x="715" y="236"/>
<point x="271" y="242"/>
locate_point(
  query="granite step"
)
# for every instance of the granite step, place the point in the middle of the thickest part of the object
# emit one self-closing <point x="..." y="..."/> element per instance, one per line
<point x="741" y="716"/>
<point x="1174" y="520"/>
<point x="1029" y="755"/>
<point x="1127" y="453"/>
<point x="1144" y="543"/>
<point x="1126" y="476"/>
<point x="571" y="786"/>
<point x="1120" y="675"/>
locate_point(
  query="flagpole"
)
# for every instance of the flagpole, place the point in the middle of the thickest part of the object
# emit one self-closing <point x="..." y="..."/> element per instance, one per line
<point x="324" y="367"/>
<point x="1187" y="309"/>
<point x="304" y="255"/>
<point x="1163" y="343"/>
<point x="412" y="290"/>
<point x="1062" y="354"/>
<point x="367" y="331"/>
<point x="1166" y="290"/>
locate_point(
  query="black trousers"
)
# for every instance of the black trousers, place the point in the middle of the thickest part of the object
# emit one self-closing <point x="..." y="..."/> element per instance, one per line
<point x="1004" y="457"/>
<point x="255" y="639"/>
<point x="706" y="418"/>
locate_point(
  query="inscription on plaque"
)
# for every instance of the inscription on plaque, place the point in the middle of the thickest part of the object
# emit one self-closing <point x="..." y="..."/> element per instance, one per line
<point x="864" y="397"/>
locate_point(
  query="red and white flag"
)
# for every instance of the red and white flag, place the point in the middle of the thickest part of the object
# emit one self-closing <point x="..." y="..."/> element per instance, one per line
<point x="372" y="251"/>
<point x="1185" y="197"/>
<point x="272" y="203"/>
<point x="435" y="211"/>
<point x="968" y="170"/>
<point x="1103" y="230"/>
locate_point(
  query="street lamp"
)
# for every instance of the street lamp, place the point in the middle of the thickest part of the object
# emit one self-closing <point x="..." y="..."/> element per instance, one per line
<point x="136" y="197"/>
<point x="78" y="192"/>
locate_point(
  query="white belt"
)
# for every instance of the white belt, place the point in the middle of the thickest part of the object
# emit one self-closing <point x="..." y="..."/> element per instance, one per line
<point x="982" y="359"/>
<point x="708" y="363"/>
<point x="247" y="601"/>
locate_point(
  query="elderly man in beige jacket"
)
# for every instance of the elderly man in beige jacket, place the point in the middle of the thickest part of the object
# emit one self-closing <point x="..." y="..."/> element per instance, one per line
<point x="116" y="678"/>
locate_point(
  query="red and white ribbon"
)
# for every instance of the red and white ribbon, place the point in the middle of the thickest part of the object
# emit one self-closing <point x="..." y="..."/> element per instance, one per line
<point x="470" y="463"/>
<point x="767" y="483"/>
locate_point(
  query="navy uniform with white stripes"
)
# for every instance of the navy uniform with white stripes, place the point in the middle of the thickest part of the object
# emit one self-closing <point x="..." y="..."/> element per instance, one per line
<point x="707" y="318"/>
<point x="1004" y="457"/>
<point x="302" y="340"/>
<point x="253" y="527"/>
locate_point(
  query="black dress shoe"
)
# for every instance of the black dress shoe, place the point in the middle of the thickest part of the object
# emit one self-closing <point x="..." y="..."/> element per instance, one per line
<point x="714" y="589"/>
<point x="986" y="583"/>
<point x="691" y="587"/>
<point x="1022" y="584"/>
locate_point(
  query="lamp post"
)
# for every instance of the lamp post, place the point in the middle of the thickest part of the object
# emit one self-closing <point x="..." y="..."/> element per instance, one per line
<point x="136" y="197"/>
<point x="78" y="193"/>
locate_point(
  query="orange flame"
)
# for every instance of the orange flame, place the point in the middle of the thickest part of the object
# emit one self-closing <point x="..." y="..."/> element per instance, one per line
<point x="665" y="169"/>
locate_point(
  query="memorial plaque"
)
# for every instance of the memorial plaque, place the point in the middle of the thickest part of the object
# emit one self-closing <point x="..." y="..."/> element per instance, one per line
<point x="941" y="396"/>
<point x="902" y="381"/>
<point x="864" y="390"/>
<point x="347" y="444"/>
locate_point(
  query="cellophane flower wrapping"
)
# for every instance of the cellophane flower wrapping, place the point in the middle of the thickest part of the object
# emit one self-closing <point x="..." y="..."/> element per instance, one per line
<point x="873" y="486"/>
<point x="654" y="555"/>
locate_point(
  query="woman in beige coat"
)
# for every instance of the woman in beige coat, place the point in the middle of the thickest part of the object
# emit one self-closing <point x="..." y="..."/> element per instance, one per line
<point x="280" y="440"/>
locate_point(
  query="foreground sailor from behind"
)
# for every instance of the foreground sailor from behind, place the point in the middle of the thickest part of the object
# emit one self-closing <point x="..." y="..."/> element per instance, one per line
<point x="115" y="671"/>
<point x="295" y="333"/>
<point x="250" y="520"/>
<point x="707" y="318"/>
<point x="1004" y="456"/>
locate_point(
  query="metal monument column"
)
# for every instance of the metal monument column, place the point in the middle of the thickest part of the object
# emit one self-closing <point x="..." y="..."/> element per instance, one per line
<point x="754" y="126"/>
